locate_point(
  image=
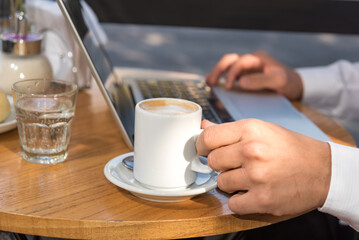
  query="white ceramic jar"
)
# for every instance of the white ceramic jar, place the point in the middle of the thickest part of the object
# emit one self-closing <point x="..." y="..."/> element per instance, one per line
<point x="14" y="68"/>
<point x="21" y="56"/>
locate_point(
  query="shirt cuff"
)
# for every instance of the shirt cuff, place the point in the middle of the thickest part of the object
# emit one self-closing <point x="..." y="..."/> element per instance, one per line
<point x="343" y="196"/>
<point x="320" y="86"/>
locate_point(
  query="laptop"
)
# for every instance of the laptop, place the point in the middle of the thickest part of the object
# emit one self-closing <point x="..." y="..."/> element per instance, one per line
<point x="122" y="87"/>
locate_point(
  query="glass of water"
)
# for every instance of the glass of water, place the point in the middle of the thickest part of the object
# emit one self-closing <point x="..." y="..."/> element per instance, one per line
<point x="44" y="113"/>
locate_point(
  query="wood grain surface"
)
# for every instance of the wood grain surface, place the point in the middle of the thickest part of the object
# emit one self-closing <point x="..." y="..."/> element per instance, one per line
<point x="73" y="199"/>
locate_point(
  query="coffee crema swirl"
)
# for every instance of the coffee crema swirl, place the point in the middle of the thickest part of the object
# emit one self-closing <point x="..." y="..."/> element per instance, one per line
<point x="169" y="107"/>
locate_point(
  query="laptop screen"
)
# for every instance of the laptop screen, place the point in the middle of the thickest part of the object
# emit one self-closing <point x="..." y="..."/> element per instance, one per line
<point x="117" y="94"/>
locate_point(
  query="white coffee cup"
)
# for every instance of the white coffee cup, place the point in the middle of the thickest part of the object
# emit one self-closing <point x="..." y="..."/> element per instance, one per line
<point x="165" y="155"/>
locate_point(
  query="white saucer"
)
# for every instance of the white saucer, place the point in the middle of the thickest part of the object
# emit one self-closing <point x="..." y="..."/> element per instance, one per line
<point x="10" y="122"/>
<point x="123" y="177"/>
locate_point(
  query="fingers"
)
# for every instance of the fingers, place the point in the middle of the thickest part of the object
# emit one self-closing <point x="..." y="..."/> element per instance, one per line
<point x="226" y="158"/>
<point x="260" y="81"/>
<point x="221" y="67"/>
<point x="218" y="136"/>
<point x="244" y="64"/>
<point x="244" y="203"/>
<point x="235" y="66"/>
<point x="205" y="124"/>
<point x="234" y="180"/>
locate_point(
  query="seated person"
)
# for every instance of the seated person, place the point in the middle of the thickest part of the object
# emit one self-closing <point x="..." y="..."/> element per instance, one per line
<point x="269" y="169"/>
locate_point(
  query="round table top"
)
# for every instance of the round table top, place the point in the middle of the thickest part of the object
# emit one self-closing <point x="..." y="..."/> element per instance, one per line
<point x="73" y="199"/>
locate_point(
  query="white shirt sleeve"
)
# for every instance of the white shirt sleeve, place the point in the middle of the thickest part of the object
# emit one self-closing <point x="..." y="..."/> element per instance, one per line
<point x="332" y="90"/>
<point x="343" y="196"/>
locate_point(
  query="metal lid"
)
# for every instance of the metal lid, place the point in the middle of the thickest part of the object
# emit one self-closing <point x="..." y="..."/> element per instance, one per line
<point x="20" y="42"/>
<point x="21" y="46"/>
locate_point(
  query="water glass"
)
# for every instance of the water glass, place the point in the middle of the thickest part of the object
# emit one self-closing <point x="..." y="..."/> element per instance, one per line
<point x="44" y="112"/>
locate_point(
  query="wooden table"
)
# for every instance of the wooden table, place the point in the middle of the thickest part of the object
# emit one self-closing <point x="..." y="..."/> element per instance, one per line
<point x="74" y="199"/>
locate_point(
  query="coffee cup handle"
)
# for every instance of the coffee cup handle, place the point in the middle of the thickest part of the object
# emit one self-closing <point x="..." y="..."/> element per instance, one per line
<point x="196" y="164"/>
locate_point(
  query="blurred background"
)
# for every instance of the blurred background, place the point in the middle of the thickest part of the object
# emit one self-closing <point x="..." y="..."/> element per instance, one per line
<point x="192" y="35"/>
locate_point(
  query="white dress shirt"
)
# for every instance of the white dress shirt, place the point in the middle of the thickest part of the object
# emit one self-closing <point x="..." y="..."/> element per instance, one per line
<point x="334" y="90"/>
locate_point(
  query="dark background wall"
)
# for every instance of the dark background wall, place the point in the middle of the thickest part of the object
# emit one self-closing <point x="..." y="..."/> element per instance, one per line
<point x="284" y="15"/>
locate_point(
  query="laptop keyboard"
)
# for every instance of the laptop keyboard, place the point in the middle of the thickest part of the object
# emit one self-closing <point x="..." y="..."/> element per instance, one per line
<point x="189" y="90"/>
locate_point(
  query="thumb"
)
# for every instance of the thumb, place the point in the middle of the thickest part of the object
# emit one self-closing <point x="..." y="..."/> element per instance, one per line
<point x="258" y="81"/>
<point x="205" y="124"/>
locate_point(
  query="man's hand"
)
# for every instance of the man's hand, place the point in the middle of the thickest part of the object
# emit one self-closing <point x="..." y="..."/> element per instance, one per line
<point x="269" y="169"/>
<point x="257" y="71"/>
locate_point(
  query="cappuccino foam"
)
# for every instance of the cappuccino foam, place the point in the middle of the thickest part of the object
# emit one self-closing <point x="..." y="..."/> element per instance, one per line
<point x="168" y="106"/>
